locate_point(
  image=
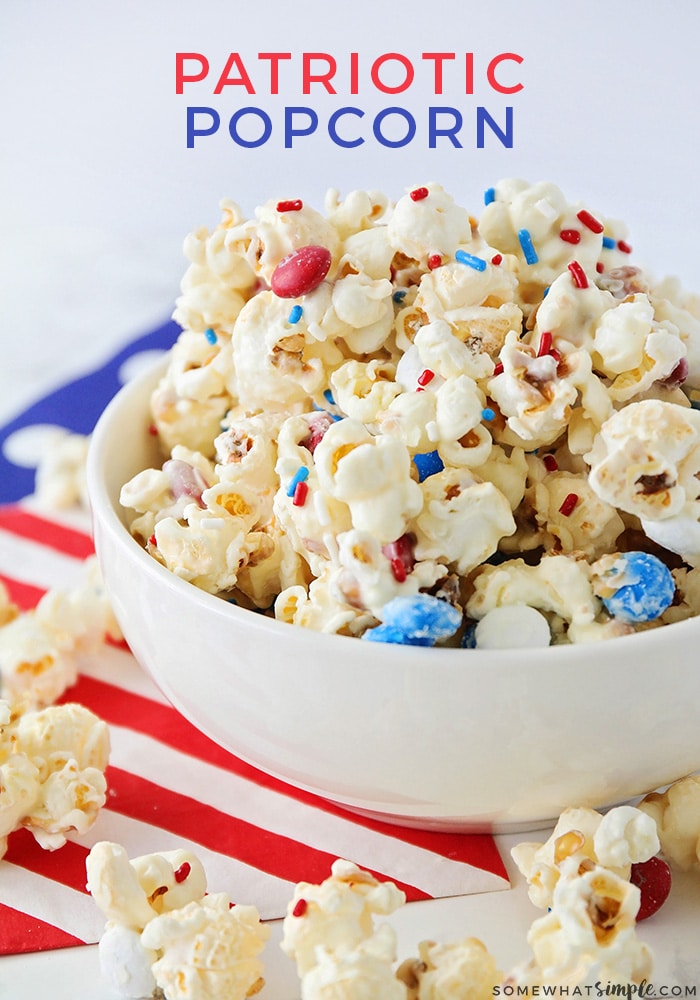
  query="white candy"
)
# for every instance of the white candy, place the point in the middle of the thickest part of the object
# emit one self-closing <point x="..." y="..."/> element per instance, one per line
<point x="511" y="627"/>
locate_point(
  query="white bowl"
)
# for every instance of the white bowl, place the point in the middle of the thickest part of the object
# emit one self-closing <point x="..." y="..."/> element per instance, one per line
<point x="438" y="738"/>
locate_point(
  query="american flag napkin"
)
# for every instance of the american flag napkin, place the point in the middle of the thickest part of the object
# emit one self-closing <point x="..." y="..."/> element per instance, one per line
<point x="170" y="786"/>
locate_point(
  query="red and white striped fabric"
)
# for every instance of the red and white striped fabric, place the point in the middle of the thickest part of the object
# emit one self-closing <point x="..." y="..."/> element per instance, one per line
<point x="169" y="786"/>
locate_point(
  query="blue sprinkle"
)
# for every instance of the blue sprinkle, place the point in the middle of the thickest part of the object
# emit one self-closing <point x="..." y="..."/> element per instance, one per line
<point x="328" y="396"/>
<point x="388" y="633"/>
<point x="646" y="592"/>
<point x="295" y="314"/>
<point x="210" y="335"/>
<point x="545" y="293"/>
<point x="302" y="474"/>
<point x="489" y="195"/>
<point x="478" y="263"/>
<point x="428" y="464"/>
<point x="488" y="414"/>
<point x="421" y="616"/>
<point x="400" y="295"/>
<point x="608" y="243"/>
<point x="526" y="246"/>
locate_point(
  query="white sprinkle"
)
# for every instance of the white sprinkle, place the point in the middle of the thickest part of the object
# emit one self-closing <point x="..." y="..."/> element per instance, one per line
<point x="331" y="546"/>
<point x="321" y="508"/>
<point x="431" y="429"/>
<point x="546" y="209"/>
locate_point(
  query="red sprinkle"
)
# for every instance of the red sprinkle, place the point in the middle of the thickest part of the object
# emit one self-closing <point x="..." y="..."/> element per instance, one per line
<point x="418" y="194"/>
<point x="570" y="501"/>
<point x="498" y="370"/>
<point x="653" y="879"/>
<point x="600" y="267"/>
<point x="425" y="376"/>
<point x="497" y="258"/>
<point x="183" y="871"/>
<point x="152" y="541"/>
<point x="301" y="491"/>
<point x="578" y="274"/>
<point x="434" y="260"/>
<point x="295" y="205"/>
<point x="398" y="569"/>
<point x="300" y="908"/>
<point x="300" y="272"/>
<point x="545" y="344"/>
<point x="570" y="236"/>
<point x="550" y="463"/>
<point x="589" y="221"/>
<point x="153" y="430"/>
<point x="623" y="246"/>
<point x="554" y="353"/>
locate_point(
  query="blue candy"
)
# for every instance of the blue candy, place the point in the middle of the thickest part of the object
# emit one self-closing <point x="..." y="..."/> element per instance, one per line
<point x="422" y="616"/>
<point x="389" y="633"/>
<point x="428" y="464"/>
<point x="646" y="590"/>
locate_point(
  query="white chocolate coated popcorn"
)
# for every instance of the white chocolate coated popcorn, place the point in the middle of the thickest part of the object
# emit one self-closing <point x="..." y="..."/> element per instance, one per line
<point x="511" y="388"/>
<point x="676" y="812"/>
<point x="336" y="915"/>
<point x="163" y="930"/>
<point x="52" y="765"/>
<point x="459" y="970"/>
<point x="622" y="837"/>
<point x="207" y="950"/>
<point x="39" y="649"/>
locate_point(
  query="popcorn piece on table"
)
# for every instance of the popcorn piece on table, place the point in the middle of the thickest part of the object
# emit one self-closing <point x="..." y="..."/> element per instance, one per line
<point x="462" y="970"/>
<point x="337" y="915"/>
<point x="52" y="765"/>
<point x="60" y="475"/>
<point x="357" y="973"/>
<point x="588" y="936"/>
<point x="581" y="839"/>
<point x="39" y="648"/>
<point x="164" y="931"/>
<point x="676" y="812"/>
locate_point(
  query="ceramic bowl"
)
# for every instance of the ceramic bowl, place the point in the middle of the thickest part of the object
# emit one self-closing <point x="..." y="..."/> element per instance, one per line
<point x="449" y="739"/>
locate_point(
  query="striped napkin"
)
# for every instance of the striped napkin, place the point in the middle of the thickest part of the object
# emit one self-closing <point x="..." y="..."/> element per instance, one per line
<point x="169" y="786"/>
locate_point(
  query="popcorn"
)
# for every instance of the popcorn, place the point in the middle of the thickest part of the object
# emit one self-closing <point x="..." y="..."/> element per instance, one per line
<point x="207" y="950"/>
<point x="52" y="765"/>
<point x="336" y="915"/>
<point x="583" y="838"/>
<point x="39" y="649"/>
<point x="510" y="389"/>
<point x="364" y="971"/>
<point x="676" y="813"/>
<point x="60" y="475"/>
<point x="588" y="936"/>
<point x="164" y="932"/>
<point x="462" y="970"/>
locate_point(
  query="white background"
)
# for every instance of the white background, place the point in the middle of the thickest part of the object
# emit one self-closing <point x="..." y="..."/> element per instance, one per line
<point x="98" y="189"/>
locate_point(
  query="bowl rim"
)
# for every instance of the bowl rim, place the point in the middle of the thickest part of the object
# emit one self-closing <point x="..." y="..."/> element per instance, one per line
<point x="104" y="510"/>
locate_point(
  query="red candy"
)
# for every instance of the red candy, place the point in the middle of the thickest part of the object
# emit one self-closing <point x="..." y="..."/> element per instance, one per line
<point x="300" y="272"/>
<point x="300" y="908"/>
<point x="653" y="879"/>
<point x="570" y="236"/>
